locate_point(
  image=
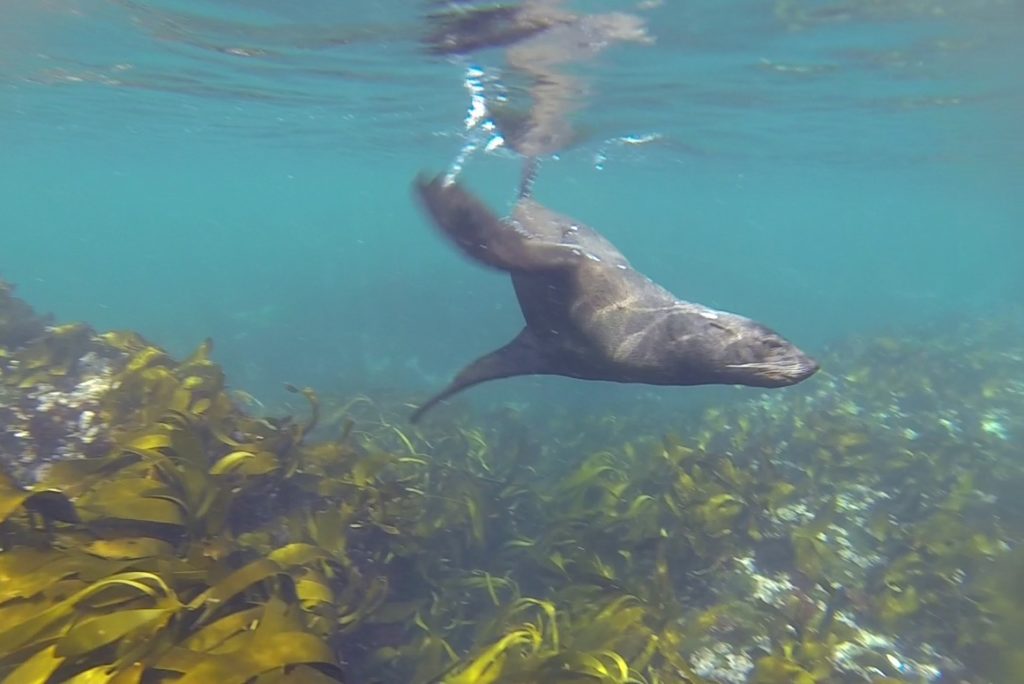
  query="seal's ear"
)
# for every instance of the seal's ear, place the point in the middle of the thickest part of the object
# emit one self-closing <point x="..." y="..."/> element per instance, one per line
<point x="484" y="237"/>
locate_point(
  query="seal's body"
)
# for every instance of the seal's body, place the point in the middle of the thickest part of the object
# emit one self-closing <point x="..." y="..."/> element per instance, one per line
<point x="590" y="315"/>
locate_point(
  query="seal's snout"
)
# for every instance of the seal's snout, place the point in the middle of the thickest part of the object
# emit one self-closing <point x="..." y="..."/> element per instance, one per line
<point x="762" y="358"/>
<point x="788" y="367"/>
<point x="805" y="368"/>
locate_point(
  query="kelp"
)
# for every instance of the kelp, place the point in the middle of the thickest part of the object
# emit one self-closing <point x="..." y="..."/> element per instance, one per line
<point x="997" y="651"/>
<point x="342" y="544"/>
<point x="132" y="578"/>
<point x="204" y="536"/>
<point x="161" y="559"/>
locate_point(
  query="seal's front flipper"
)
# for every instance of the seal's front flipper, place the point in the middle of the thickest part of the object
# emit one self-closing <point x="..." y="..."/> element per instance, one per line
<point x="521" y="356"/>
<point x="486" y="238"/>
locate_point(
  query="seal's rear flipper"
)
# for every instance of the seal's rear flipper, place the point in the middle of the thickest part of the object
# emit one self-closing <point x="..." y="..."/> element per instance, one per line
<point x="521" y="356"/>
<point x="530" y="168"/>
<point x="486" y="238"/>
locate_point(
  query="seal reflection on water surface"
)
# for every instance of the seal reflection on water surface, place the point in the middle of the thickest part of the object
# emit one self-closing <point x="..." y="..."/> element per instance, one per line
<point x="590" y="315"/>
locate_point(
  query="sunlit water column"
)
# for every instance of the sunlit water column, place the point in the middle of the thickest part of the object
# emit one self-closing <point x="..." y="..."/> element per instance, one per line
<point x="481" y="132"/>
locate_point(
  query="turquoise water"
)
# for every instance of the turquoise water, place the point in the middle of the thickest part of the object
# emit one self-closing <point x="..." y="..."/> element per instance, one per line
<point x="243" y="170"/>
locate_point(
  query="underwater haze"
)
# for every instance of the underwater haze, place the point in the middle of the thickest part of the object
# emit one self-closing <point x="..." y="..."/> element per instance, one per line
<point x="243" y="171"/>
<point x="208" y="467"/>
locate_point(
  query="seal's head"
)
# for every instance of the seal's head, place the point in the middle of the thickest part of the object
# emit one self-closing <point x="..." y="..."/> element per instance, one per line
<point x="739" y="351"/>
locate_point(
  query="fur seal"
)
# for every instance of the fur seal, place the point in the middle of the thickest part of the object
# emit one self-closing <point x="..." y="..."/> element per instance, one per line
<point x="590" y="315"/>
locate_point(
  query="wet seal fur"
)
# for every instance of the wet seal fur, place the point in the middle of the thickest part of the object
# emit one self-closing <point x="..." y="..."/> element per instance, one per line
<point x="590" y="315"/>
